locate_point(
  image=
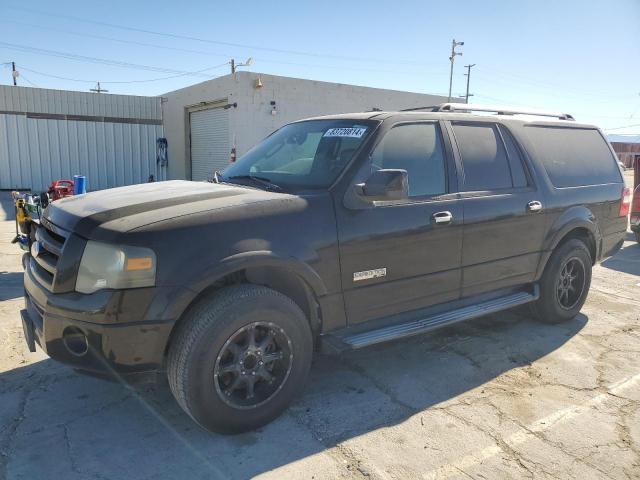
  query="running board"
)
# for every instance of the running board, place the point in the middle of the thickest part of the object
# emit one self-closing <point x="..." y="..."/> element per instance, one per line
<point x="416" y="327"/>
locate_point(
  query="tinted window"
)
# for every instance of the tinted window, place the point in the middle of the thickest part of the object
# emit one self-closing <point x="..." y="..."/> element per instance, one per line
<point x="516" y="163"/>
<point x="484" y="158"/>
<point x="574" y="156"/>
<point x="416" y="148"/>
<point x="308" y="154"/>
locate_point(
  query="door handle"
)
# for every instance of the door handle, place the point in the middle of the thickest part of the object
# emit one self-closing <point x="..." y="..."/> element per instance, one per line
<point x="442" y="218"/>
<point x="534" y="206"/>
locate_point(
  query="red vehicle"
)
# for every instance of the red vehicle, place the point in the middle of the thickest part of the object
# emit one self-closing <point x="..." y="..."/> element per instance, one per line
<point x="635" y="213"/>
<point x="57" y="190"/>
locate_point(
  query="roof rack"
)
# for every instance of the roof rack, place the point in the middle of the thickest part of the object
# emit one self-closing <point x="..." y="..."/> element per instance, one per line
<point x="431" y="108"/>
<point x="464" y="107"/>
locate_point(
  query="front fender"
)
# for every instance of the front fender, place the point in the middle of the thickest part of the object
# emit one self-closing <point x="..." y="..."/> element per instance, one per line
<point x="261" y="258"/>
<point x="205" y="278"/>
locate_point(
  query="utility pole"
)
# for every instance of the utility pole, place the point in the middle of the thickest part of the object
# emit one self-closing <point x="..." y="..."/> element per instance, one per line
<point x="468" y="74"/>
<point x="248" y="63"/>
<point x="98" y="89"/>
<point x="452" y="58"/>
<point x="14" y="73"/>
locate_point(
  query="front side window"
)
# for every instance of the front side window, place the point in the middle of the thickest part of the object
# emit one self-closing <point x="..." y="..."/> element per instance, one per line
<point x="309" y="154"/>
<point x="416" y="148"/>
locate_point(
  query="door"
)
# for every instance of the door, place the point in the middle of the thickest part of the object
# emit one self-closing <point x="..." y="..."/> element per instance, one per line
<point x="210" y="150"/>
<point x="504" y="220"/>
<point x="397" y="257"/>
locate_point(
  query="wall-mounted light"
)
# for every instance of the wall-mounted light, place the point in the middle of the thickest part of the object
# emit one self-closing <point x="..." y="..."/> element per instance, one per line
<point x="258" y="83"/>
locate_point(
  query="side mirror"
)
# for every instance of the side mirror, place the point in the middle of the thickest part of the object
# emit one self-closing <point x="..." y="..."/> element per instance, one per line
<point x="385" y="185"/>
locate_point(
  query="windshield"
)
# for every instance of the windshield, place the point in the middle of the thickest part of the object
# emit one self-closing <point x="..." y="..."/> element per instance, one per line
<point x="308" y="154"/>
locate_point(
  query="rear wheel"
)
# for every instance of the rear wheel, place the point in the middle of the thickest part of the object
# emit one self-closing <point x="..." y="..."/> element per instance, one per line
<point x="637" y="236"/>
<point x="565" y="283"/>
<point x="239" y="358"/>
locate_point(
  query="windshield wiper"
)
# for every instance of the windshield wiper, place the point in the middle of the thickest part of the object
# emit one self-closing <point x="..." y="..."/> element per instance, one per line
<point x="265" y="182"/>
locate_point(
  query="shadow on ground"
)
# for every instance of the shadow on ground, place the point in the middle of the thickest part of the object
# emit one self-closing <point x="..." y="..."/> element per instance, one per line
<point x="7" y="210"/>
<point x="61" y="422"/>
<point x="11" y="285"/>
<point x="627" y="260"/>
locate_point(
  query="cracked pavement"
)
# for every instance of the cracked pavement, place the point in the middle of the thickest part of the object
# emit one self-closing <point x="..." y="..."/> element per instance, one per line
<point x="499" y="397"/>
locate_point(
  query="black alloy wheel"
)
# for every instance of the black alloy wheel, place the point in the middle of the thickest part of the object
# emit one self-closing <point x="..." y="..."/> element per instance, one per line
<point x="565" y="282"/>
<point x="571" y="281"/>
<point x="253" y="365"/>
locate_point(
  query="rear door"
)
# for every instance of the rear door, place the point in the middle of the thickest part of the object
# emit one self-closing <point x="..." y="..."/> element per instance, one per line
<point x="504" y="220"/>
<point x="398" y="257"/>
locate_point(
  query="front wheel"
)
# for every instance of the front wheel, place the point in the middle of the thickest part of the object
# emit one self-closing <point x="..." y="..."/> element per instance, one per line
<point x="565" y="283"/>
<point x="239" y="357"/>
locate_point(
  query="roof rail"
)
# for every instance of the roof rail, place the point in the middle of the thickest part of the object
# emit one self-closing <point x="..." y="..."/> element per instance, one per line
<point x="464" y="107"/>
<point x="431" y="108"/>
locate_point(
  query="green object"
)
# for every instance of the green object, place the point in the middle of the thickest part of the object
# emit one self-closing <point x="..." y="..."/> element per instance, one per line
<point x="32" y="207"/>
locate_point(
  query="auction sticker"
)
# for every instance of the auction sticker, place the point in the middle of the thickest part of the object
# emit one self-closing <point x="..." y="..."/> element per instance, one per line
<point x="352" y="132"/>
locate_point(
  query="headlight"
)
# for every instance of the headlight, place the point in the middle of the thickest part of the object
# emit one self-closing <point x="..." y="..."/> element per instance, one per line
<point x="115" y="266"/>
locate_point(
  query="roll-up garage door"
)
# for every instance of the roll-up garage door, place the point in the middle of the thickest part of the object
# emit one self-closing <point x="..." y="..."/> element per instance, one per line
<point x="209" y="142"/>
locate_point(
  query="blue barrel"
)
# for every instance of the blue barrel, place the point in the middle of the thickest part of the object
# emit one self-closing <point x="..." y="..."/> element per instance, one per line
<point x="79" y="184"/>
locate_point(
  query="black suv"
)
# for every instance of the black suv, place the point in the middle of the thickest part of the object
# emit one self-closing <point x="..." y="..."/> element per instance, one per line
<point x="334" y="233"/>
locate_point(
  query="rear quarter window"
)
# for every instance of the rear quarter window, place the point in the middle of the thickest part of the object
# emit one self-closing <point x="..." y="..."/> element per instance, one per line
<point x="574" y="157"/>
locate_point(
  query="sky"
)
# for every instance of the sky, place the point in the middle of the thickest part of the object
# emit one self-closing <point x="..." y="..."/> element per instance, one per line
<point x="581" y="57"/>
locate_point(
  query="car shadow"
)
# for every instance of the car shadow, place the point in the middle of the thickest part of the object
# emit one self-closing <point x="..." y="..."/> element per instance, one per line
<point x="110" y="430"/>
<point x="627" y="259"/>
<point x="11" y="285"/>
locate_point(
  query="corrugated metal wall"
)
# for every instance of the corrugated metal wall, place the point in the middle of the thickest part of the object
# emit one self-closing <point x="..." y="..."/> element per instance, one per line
<point x="47" y="135"/>
<point x="26" y="99"/>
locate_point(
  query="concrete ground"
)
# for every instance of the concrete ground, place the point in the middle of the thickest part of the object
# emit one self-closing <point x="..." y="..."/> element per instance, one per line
<point x="500" y="397"/>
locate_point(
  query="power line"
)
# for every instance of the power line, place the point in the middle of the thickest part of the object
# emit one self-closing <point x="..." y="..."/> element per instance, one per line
<point x="208" y="54"/>
<point x="215" y="42"/>
<point x="124" y="81"/>
<point x="119" y="40"/>
<point x="83" y="58"/>
<point x="620" y="128"/>
<point x="25" y="78"/>
<point x="496" y="75"/>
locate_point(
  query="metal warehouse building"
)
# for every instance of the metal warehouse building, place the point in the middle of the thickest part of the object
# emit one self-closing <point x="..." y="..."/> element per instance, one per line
<point x="205" y="121"/>
<point x="47" y="135"/>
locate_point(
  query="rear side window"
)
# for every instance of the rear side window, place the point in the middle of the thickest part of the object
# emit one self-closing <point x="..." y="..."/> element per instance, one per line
<point x="574" y="157"/>
<point x="484" y="157"/>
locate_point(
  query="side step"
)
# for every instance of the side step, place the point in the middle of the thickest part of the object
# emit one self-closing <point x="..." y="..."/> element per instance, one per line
<point x="416" y="327"/>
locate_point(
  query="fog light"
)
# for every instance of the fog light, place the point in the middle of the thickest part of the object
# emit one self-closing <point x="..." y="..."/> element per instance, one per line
<point x="75" y="341"/>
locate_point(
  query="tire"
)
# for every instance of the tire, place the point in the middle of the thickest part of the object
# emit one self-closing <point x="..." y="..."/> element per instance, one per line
<point x="212" y="362"/>
<point x="637" y="236"/>
<point x="25" y="260"/>
<point x="554" y="305"/>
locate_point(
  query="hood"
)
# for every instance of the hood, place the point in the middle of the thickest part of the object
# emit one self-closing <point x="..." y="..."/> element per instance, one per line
<point x="119" y="210"/>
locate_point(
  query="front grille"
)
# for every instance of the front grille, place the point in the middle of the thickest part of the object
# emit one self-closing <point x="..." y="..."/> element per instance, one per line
<point x="44" y="265"/>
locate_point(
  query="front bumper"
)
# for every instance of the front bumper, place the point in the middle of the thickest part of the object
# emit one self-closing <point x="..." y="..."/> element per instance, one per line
<point x="125" y="331"/>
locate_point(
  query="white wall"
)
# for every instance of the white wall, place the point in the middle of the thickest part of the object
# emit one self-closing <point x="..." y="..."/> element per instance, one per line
<point x="252" y="120"/>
